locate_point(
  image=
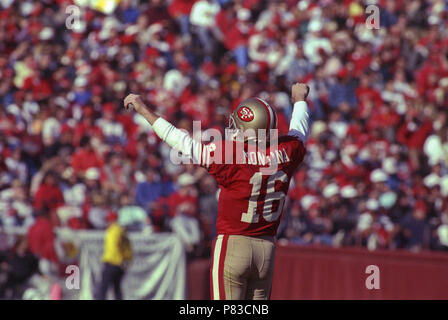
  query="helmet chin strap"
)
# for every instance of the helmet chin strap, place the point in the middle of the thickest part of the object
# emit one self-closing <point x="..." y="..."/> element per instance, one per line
<point x="251" y="139"/>
<point x="236" y="135"/>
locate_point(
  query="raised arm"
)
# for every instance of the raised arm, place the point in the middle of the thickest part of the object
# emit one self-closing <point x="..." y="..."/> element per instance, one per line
<point x="174" y="137"/>
<point x="300" y="119"/>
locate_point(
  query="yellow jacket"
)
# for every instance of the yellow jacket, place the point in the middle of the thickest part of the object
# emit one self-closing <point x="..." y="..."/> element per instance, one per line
<point x="117" y="247"/>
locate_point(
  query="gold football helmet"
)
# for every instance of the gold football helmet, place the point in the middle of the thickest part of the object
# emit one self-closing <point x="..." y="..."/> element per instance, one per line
<point x="250" y="116"/>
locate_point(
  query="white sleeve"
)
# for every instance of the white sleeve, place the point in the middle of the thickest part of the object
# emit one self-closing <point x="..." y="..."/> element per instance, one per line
<point x="180" y="140"/>
<point x="300" y="121"/>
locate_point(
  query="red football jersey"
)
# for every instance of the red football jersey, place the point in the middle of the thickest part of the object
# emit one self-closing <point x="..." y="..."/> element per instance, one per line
<point x="253" y="183"/>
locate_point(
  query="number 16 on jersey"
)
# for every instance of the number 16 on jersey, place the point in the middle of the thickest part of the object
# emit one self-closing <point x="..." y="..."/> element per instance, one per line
<point x="271" y="196"/>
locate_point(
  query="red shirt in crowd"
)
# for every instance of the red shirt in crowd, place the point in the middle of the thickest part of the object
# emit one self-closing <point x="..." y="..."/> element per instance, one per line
<point x="41" y="239"/>
<point x="414" y="138"/>
<point x="175" y="200"/>
<point x="85" y="159"/>
<point x="48" y="195"/>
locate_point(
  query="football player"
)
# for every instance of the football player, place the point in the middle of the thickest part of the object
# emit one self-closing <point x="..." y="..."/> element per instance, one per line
<point x="252" y="189"/>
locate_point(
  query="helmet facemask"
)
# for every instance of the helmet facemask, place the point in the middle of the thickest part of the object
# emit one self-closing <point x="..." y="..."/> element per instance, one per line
<point x="232" y="131"/>
<point x="235" y="133"/>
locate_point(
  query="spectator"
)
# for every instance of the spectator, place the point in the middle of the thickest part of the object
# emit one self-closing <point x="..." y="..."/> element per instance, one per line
<point x="15" y="208"/>
<point x="297" y="226"/>
<point x="62" y="146"/>
<point x="202" y="17"/>
<point x="73" y="189"/>
<point x="342" y="93"/>
<point x="132" y="216"/>
<point x="48" y="195"/>
<point x="92" y="180"/>
<point x="415" y="231"/>
<point x="112" y="130"/>
<point x="128" y="13"/>
<point x="18" y="265"/>
<point x="97" y="214"/>
<point x="41" y="240"/>
<point x="183" y="209"/>
<point x="16" y="168"/>
<point x="180" y="10"/>
<point x="151" y="190"/>
<point x="117" y="174"/>
<point x="86" y="157"/>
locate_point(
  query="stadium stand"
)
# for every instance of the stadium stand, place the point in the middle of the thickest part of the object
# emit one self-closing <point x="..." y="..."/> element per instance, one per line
<point x="376" y="171"/>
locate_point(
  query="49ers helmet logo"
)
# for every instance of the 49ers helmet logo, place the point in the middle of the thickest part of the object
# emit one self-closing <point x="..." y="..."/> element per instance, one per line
<point x="245" y="114"/>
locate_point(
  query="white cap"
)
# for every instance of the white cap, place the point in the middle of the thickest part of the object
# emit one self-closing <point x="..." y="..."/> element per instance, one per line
<point x="349" y="192"/>
<point x="431" y="180"/>
<point x="330" y="190"/>
<point x="26" y="8"/>
<point x="378" y="175"/>
<point x="46" y="33"/>
<point x="185" y="179"/>
<point x="243" y="14"/>
<point x="390" y="165"/>
<point x="388" y="199"/>
<point x="307" y="201"/>
<point x="318" y="127"/>
<point x="372" y="204"/>
<point x="315" y="25"/>
<point x="139" y="176"/>
<point x="92" y="174"/>
<point x="80" y="81"/>
<point x="302" y="5"/>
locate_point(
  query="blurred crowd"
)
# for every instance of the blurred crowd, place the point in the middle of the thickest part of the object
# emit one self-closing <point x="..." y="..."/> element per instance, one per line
<point x="376" y="171"/>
